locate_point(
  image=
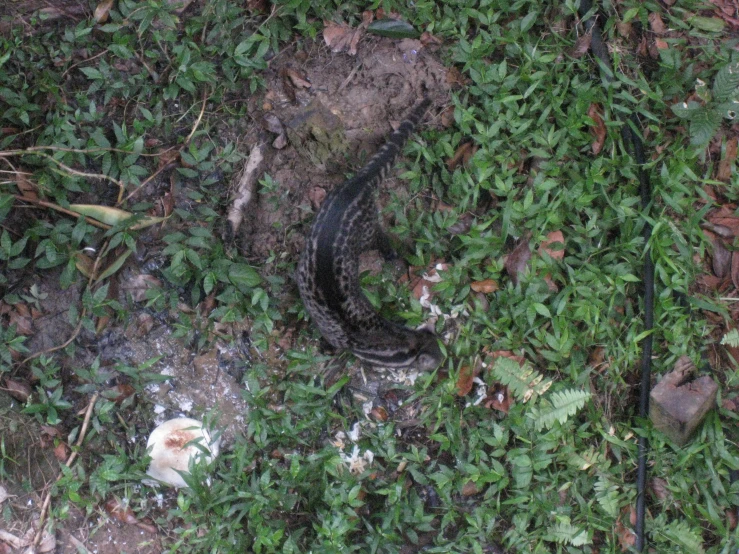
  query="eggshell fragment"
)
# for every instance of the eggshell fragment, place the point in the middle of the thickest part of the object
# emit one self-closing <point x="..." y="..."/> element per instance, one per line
<point x="170" y="452"/>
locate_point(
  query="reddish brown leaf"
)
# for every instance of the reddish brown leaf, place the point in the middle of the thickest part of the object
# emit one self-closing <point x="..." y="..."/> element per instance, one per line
<point x="659" y="489"/>
<point x="498" y="398"/>
<point x="61" y="451"/>
<point x="518" y="260"/>
<point x="430" y="41"/>
<point x="598" y="130"/>
<point x="259" y="6"/>
<point x="465" y="380"/>
<point x="721" y="259"/>
<point x="554" y="245"/>
<point x="624" y="29"/>
<point x="121" y="512"/>
<point x="486" y="286"/>
<point x="342" y="38"/>
<point x="656" y="23"/>
<point x="461" y="156"/>
<point x="470" y="489"/>
<point x="423" y="286"/>
<point x="463" y="224"/>
<point x="19" y="390"/>
<point x="120" y="392"/>
<point x="20" y="316"/>
<point x="454" y="78"/>
<point x="726" y="166"/>
<point x="447" y="117"/>
<point x="102" y="11"/>
<point x="626" y="537"/>
<point x="25" y="186"/>
<point x="661" y="44"/>
<point x="298" y="79"/>
<point x="731" y="519"/>
<point x="582" y="45"/>
<point x="379" y="413"/>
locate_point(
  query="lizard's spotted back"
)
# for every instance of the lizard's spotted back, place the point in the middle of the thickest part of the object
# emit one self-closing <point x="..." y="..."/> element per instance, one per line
<point x="328" y="277"/>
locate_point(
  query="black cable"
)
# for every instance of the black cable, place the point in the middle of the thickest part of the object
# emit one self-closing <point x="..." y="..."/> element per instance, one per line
<point x="631" y="136"/>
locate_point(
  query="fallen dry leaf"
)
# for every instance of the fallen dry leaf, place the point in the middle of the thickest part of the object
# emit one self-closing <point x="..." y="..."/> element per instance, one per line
<point x="379" y="413"/>
<point x="720" y="258"/>
<point x="661" y="44"/>
<point x="553" y="239"/>
<point x="102" y="11"/>
<point x="498" y="398"/>
<point x="626" y="537"/>
<point x="518" y="260"/>
<point x="726" y="166"/>
<point x="423" y="286"/>
<point x="61" y="451"/>
<point x="463" y="154"/>
<point x="735" y="268"/>
<point x="122" y="513"/>
<point x="731" y="519"/>
<point x="340" y="37"/>
<point x="25" y="186"/>
<point x="430" y="41"/>
<point x="463" y="224"/>
<point x="465" y="380"/>
<point x="659" y="489"/>
<point x="20" y="390"/>
<point x="485" y="286"/>
<point x="598" y="130"/>
<point x="582" y="45"/>
<point x="656" y="23"/>
<point x="455" y="78"/>
<point x="470" y="489"/>
<point x="298" y="79"/>
<point x="624" y="29"/>
<point x="120" y="392"/>
<point x="137" y="285"/>
<point x="447" y="117"/>
<point x="20" y="316"/>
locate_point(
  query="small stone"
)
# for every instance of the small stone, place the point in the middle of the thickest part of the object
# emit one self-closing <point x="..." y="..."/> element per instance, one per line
<point x="678" y="404"/>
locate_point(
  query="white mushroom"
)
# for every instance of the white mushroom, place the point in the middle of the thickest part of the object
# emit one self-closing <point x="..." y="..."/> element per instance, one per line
<point x="173" y="444"/>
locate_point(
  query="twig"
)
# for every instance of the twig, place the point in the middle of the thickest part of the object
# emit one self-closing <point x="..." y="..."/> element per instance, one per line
<point x="68" y="463"/>
<point x="200" y="117"/>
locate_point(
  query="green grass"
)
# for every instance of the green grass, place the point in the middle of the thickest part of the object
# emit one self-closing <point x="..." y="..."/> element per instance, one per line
<point x="546" y="480"/>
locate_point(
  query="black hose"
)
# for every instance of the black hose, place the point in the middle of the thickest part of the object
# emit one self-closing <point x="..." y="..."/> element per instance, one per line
<point x="631" y="137"/>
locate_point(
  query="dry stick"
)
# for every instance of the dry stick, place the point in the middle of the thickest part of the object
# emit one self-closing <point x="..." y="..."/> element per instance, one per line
<point x="165" y="167"/>
<point x="36" y="149"/>
<point x="68" y="463"/>
<point x="169" y="165"/>
<point x="200" y="117"/>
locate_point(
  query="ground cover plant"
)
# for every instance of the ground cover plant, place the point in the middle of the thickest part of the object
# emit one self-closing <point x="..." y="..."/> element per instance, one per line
<point x="128" y="292"/>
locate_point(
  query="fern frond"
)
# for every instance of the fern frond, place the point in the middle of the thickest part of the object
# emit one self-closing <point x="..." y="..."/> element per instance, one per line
<point x="566" y="533"/>
<point x="607" y="496"/>
<point x="562" y="405"/>
<point x="523" y="382"/>
<point x="726" y="83"/>
<point x="731" y="338"/>
<point x="683" y="536"/>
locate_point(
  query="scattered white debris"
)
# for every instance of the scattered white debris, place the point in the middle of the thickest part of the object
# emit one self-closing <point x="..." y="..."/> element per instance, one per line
<point x="358" y="463"/>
